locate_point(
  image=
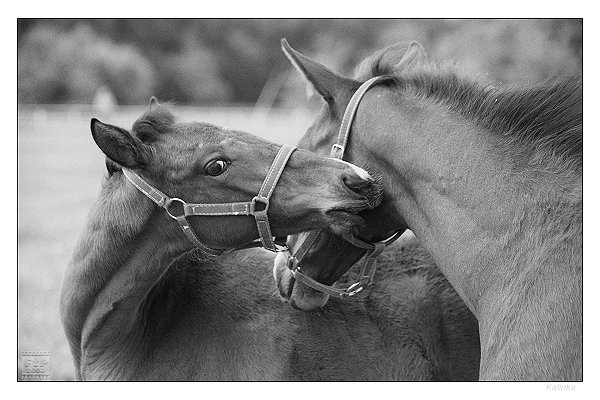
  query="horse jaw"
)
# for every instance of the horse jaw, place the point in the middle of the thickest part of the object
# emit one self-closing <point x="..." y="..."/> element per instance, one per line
<point x="297" y="294"/>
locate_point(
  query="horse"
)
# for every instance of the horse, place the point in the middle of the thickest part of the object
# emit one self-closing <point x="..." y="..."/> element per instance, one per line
<point x="128" y="243"/>
<point x="490" y="181"/>
<point x="221" y="319"/>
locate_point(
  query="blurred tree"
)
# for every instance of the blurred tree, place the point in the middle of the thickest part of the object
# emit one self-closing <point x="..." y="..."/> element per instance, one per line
<point x="70" y="66"/>
<point x="511" y="51"/>
<point x="218" y="60"/>
<point x="192" y="75"/>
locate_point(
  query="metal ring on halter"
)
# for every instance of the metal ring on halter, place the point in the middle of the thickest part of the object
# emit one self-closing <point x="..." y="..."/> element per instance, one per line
<point x="280" y="248"/>
<point x="393" y="237"/>
<point x="358" y="242"/>
<point x="167" y="204"/>
<point x="350" y="291"/>
<point x="259" y="200"/>
<point x="292" y="264"/>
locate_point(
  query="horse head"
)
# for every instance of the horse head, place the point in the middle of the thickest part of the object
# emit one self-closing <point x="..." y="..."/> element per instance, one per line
<point x="330" y="256"/>
<point x="206" y="164"/>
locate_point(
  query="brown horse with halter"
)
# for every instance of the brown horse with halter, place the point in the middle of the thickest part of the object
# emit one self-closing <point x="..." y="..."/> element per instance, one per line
<point x="489" y="180"/>
<point x="236" y="187"/>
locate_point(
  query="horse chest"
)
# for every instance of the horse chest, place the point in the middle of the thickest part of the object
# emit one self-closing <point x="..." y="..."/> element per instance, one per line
<point x="234" y="350"/>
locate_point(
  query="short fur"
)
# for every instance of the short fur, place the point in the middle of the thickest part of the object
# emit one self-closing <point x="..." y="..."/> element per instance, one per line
<point x="546" y="118"/>
<point x="490" y="181"/>
<point x="110" y="286"/>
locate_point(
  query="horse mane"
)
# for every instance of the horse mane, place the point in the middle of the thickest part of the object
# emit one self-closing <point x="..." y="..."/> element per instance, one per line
<point x="545" y="118"/>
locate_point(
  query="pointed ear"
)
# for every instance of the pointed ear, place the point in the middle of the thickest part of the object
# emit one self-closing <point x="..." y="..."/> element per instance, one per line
<point x="395" y="58"/>
<point x="326" y="82"/>
<point x="120" y="146"/>
<point x="415" y="53"/>
<point x="153" y="102"/>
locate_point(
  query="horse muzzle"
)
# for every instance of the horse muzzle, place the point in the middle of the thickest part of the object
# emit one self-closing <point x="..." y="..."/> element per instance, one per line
<point x="299" y="296"/>
<point x="361" y="183"/>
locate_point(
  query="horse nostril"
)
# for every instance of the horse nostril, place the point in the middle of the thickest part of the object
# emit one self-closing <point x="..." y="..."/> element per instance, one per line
<point x="356" y="183"/>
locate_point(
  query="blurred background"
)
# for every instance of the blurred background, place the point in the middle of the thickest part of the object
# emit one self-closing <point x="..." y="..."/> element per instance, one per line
<point x="228" y="72"/>
<point x="216" y="62"/>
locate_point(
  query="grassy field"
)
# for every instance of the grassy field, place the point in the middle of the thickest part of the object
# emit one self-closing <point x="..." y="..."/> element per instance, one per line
<point x="59" y="174"/>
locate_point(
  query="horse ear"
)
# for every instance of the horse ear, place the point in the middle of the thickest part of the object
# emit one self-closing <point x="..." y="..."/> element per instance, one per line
<point x="326" y="82"/>
<point x="153" y="102"/>
<point x="415" y="53"/>
<point x="120" y="146"/>
<point x="395" y="58"/>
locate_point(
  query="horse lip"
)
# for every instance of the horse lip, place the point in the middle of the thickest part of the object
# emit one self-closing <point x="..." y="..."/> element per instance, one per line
<point x="286" y="286"/>
<point x="293" y="304"/>
<point x="348" y="216"/>
<point x="305" y="308"/>
<point x="284" y="281"/>
<point x="290" y="289"/>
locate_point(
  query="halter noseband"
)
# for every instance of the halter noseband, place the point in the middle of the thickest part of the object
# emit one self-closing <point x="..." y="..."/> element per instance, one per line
<point x="373" y="249"/>
<point x="258" y="207"/>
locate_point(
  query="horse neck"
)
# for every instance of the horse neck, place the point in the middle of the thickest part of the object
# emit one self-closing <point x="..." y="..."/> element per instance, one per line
<point x="470" y="202"/>
<point x="125" y="248"/>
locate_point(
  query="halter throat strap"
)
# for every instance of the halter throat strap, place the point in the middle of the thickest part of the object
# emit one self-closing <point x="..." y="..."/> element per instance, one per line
<point x="257" y="207"/>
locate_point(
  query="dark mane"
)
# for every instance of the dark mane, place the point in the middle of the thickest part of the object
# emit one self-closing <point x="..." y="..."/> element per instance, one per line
<point x="154" y="122"/>
<point x="546" y="118"/>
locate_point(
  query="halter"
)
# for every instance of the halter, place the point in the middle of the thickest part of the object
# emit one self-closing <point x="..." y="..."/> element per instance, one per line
<point x="373" y="249"/>
<point x="257" y="207"/>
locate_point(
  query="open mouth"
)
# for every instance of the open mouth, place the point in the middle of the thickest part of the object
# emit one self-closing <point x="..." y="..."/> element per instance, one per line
<point x="299" y="296"/>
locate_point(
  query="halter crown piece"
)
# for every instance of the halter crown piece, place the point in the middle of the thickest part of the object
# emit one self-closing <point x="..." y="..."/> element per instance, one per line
<point x="257" y="207"/>
<point x="373" y="249"/>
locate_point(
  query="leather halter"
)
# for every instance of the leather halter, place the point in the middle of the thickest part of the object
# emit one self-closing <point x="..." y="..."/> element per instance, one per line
<point x="373" y="249"/>
<point x="257" y="207"/>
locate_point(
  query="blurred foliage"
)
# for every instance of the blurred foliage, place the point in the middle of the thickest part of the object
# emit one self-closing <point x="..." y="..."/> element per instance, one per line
<point x="70" y="66"/>
<point x="223" y="61"/>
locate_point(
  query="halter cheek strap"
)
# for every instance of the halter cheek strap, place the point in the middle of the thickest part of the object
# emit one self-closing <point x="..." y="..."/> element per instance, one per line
<point x="337" y="150"/>
<point x="258" y="207"/>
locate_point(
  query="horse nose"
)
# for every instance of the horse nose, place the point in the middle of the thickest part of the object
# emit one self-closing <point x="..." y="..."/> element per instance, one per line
<point x="361" y="183"/>
<point x="358" y="184"/>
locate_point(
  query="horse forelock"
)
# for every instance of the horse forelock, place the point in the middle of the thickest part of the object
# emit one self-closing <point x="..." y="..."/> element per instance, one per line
<point x="546" y="117"/>
<point x="157" y="121"/>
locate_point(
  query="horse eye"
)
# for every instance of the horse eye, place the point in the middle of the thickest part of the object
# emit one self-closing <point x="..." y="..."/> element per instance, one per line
<point x="215" y="167"/>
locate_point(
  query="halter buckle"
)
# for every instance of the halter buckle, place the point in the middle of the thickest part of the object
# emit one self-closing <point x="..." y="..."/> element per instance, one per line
<point x="337" y="151"/>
